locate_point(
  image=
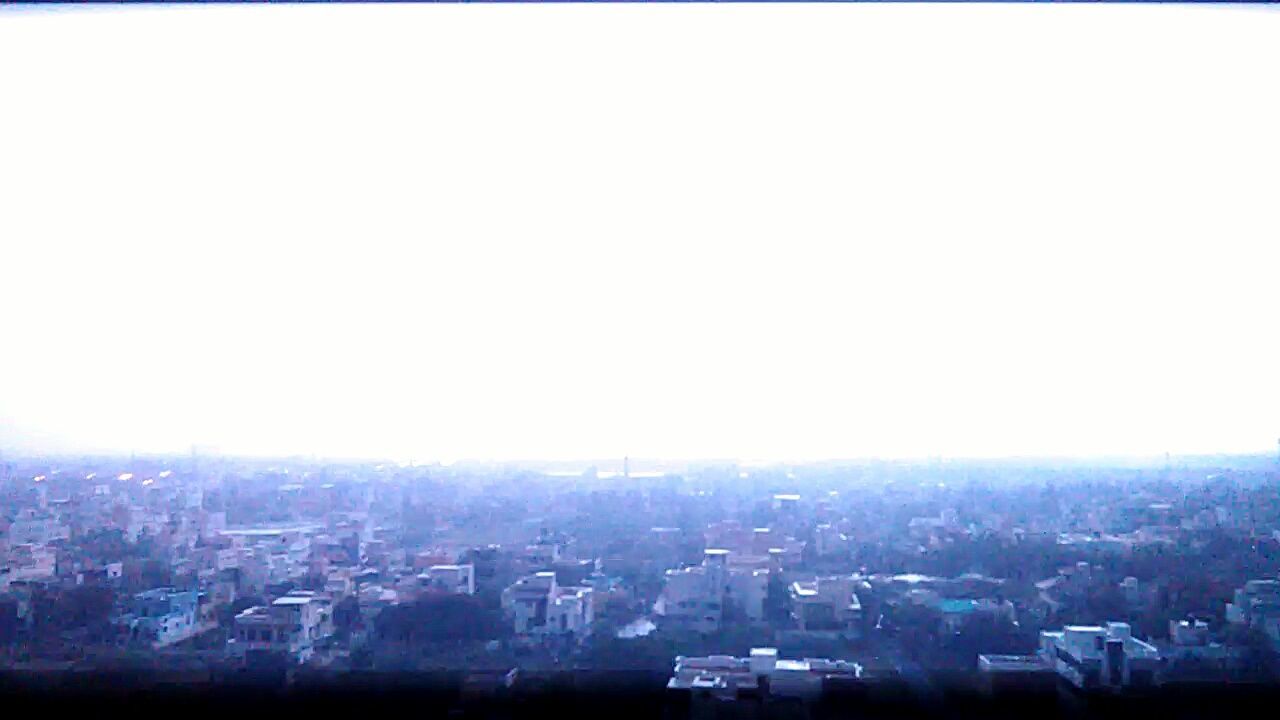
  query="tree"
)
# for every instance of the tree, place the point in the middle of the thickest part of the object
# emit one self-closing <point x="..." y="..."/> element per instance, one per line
<point x="8" y="621"/>
<point x="653" y="652"/>
<point x="85" y="608"/>
<point x="439" y="617"/>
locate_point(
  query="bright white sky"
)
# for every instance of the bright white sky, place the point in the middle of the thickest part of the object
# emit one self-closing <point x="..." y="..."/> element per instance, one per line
<point x="680" y="231"/>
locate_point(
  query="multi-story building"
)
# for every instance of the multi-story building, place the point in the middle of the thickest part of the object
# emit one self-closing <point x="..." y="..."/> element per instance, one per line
<point x="28" y="563"/>
<point x="827" y="604"/>
<point x="999" y="673"/>
<point x="161" y="617"/>
<point x="698" y="598"/>
<point x="724" y="677"/>
<point x="1090" y="657"/>
<point x="458" y="579"/>
<point x="1191" y="655"/>
<point x="1257" y="606"/>
<point x="33" y="527"/>
<point x="292" y="626"/>
<point x="1086" y="657"/>
<point x="539" y="607"/>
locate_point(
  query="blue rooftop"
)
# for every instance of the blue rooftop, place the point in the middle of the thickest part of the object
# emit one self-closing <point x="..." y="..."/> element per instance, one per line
<point x="958" y="606"/>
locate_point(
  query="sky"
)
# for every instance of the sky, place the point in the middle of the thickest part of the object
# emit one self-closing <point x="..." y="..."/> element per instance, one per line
<point x="549" y="232"/>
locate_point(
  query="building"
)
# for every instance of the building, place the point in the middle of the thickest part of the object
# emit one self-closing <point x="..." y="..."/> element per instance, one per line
<point x="1092" y="657"/>
<point x="457" y="579"/>
<point x="33" y="527"/>
<point x="1189" y="633"/>
<point x="786" y="502"/>
<point x="957" y="613"/>
<point x="827" y="604"/>
<point x="828" y="541"/>
<point x="539" y="607"/>
<point x="161" y="617"/>
<point x="1257" y="606"/>
<point x="763" y="674"/>
<point x="1190" y="655"/>
<point x="699" y="598"/>
<point x="291" y="626"/>
<point x="1019" y="673"/>
<point x="28" y="563"/>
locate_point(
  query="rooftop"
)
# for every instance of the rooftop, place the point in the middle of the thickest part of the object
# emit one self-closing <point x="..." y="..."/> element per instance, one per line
<point x="1012" y="663"/>
<point x="958" y="606"/>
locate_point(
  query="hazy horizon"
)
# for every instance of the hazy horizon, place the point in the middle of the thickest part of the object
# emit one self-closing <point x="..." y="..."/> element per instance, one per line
<point x="668" y="232"/>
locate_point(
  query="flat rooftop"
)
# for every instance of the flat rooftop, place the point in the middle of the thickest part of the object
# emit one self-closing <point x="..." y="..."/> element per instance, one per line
<point x="1012" y="663"/>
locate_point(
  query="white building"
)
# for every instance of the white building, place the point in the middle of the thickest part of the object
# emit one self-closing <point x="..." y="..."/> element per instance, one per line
<point x="538" y="607"/>
<point x="457" y="579"/>
<point x="827" y="604"/>
<point x="725" y="676"/>
<point x="1090" y="656"/>
<point x="1257" y="605"/>
<point x="699" y="597"/>
<point x="162" y="617"/>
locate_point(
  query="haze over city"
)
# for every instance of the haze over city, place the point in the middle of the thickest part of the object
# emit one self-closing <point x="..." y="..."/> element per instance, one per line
<point x="826" y="247"/>
<point x="705" y="361"/>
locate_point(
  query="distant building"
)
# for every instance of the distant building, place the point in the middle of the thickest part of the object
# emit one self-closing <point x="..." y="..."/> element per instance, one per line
<point x="28" y="563"/>
<point x="457" y="579"/>
<point x="827" y="604"/>
<point x="1085" y="657"/>
<point x="539" y="607"/>
<point x="291" y="626"/>
<point x="1090" y="657"/>
<point x="1189" y="633"/>
<point x="1000" y="673"/>
<point x="763" y="674"/>
<point x="161" y="617"/>
<point x="33" y="527"/>
<point x="1257" y="606"/>
<point x="697" y="598"/>
<point x="786" y="502"/>
<point x="1190" y="655"/>
<point x="828" y="541"/>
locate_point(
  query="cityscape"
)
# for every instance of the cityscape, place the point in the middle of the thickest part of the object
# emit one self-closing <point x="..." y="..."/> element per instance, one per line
<point x="670" y="360"/>
<point x="739" y="585"/>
